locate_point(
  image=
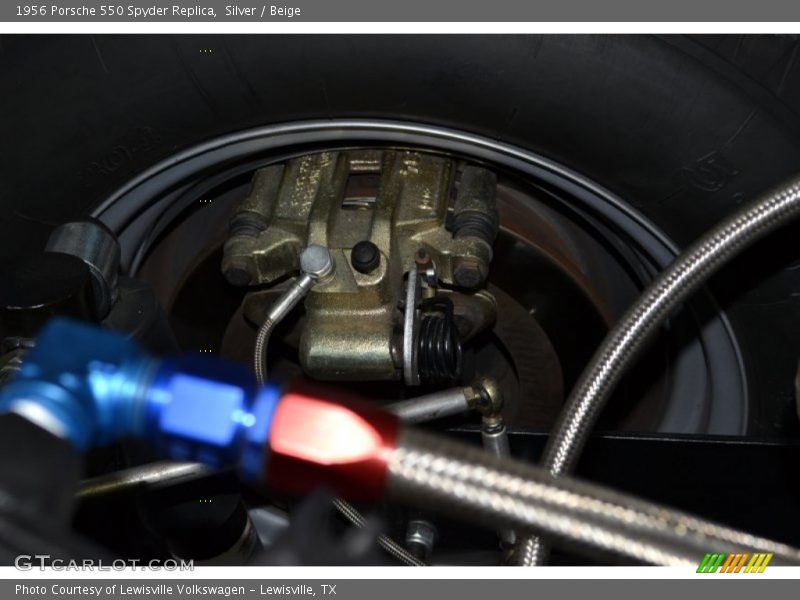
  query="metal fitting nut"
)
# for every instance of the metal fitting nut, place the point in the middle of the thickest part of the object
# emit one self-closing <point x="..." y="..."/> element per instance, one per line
<point x="211" y="414"/>
<point x="489" y="397"/>
<point x="200" y="410"/>
<point x="316" y="262"/>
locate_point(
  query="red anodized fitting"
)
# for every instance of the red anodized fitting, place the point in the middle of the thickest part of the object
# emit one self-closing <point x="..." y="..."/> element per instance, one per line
<point x="317" y="440"/>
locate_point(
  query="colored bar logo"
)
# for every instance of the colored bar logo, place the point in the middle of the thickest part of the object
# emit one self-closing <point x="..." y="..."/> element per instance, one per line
<point x="734" y="563"/>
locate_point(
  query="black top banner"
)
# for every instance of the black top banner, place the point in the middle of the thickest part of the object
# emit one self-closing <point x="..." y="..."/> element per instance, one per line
<point x="404" y="11"/>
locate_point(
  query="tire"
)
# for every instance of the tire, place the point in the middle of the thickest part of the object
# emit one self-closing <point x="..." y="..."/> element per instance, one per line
<point x="684" y="129"/>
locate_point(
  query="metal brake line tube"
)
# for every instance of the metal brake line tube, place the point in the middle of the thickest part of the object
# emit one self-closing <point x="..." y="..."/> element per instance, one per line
<point x="623" y="344"/>
<point x="391" y="547"/>
<point x="315" y="263"/>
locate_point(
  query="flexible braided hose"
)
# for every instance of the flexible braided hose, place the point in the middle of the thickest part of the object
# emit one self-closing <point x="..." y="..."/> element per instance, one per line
<point x="260" y="350"/>
<point x="637" y="326"/>
<point x="429" y="470"/>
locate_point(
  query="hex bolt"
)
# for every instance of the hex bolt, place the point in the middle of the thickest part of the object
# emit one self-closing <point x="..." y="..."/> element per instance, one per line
<point x="236" y="271"/>
<point x="420" y="537"/>
<point x="469" y="272"/>
<point x="365" y="257"/>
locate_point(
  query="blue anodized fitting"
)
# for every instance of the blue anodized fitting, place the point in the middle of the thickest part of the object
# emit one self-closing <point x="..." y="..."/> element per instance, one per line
<point x="95" y="387"/>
